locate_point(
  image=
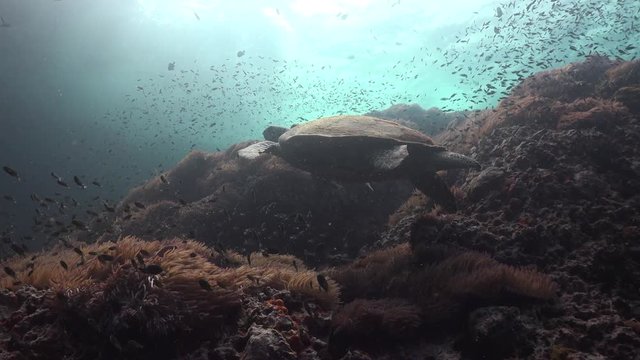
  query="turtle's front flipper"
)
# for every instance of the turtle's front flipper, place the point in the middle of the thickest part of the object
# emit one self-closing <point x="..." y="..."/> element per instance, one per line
<point x="389" y="159"/>
<point x="257" y="149"/>
<point x="435" y="188"/>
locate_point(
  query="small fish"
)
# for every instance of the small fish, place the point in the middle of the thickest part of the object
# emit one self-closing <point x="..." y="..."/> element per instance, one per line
<point x="135" y="345"/>
<point x="139" y="205"/>
<point x="240" y="53"/>
<point x="64" y="265"/>
<point x="105" y="257"/>
<point x="62" y="183"/>
<point x="164" y="179"/>
<point x="196" y="15"/>
<point x="295" y="265"/>
<point x="78" y="182"/>
<point x="152" y="269"/>
<point x="96" y="183"/>
<point x="11" y="172"/>
<point x="108" y="208"/>
<point x="10" y="198"/>
<point x="114" y="341"/>
<point x="249" y="258"/>
<point x="78" y="251"/>
<point x="204" y="284"/>
<point x="171" y="66"/>
<point x="322" y="281"/>
<point x="93" y="253"/>
<point x="92" y="213"/>
<point x="9" y="271"/>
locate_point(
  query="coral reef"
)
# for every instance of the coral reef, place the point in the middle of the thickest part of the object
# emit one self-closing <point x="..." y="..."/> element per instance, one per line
<point x="230" y="259"/>
<point x="264" y="204"/>
<point x="559" y="189"/>
<point x="116" y="299"/>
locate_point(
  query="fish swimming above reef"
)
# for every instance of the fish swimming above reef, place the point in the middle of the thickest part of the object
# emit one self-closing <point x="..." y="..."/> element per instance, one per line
<point x="11" y="172"/>
<point x="78" y="182"/>
<point x="364" y="148"/>
<point x="4" y="23"/>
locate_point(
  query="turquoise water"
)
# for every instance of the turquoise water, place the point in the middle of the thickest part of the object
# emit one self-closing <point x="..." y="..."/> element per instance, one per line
<point x="87" y="88"/>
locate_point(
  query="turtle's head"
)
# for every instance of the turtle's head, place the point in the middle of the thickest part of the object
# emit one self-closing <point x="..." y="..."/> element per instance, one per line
<point x="272" y="133"/>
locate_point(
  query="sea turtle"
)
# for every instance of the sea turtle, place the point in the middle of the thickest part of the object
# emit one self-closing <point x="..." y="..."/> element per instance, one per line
<point x="363" y="148"/>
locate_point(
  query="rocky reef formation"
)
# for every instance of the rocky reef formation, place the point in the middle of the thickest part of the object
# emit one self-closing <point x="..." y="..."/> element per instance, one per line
<point x="432" y="121"/>
<point x="225" y="258"/>
<point x="178" y="298"/>
<point x="221" y="199"/>
<point x="559" y="189"/>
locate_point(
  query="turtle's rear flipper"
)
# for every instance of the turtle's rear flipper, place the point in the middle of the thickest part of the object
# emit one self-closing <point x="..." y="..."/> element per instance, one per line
<point x="257" y="149"/>
<point x="435" y="188"/>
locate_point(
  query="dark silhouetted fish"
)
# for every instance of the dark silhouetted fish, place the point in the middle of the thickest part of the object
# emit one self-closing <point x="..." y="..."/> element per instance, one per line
<point x="78" y="251"/>
<point x="11" y="172"/>
<point x="10" y="271"/>
<point x="64" y="265"/>
<point x="107" y="207"/>
<point x="76" y="179"/>
<point x="322" y="281"/>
